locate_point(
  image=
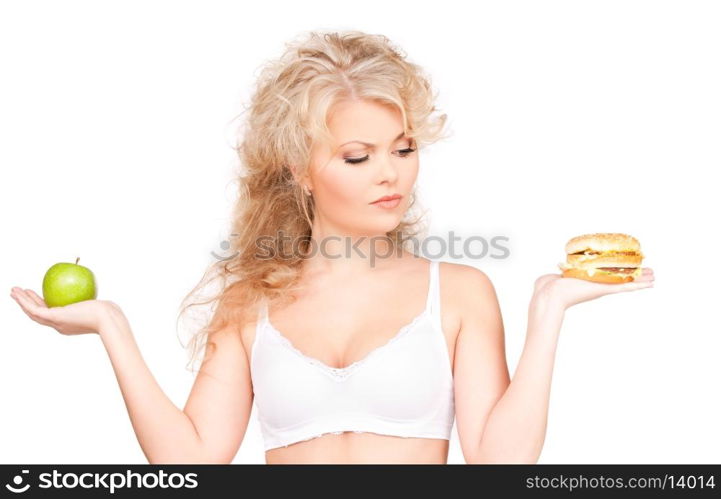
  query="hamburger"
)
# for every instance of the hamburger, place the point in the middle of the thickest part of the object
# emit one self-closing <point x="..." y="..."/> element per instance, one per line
<point x="603" y="257"/>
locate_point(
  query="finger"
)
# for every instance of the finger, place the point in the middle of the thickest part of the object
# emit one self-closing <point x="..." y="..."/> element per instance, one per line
<point x="38" y="301"/>
<point x="633" y="285"/>
<point x="646" y="275"/>
<point x="33" y="311"/>
<point x="22" y="301"/>
<point x="20" y="297"/>
<point x="25" y="302"/>
<point x="34" y="297"/>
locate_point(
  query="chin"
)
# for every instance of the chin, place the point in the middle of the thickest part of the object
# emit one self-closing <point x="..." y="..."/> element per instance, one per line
<point x="380" y="229"/>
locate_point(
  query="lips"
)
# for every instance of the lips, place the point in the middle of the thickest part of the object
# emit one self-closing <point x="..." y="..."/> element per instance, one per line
<point x="387" y="198"/>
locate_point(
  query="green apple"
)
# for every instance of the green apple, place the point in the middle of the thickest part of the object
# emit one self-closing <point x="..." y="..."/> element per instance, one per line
<point x="66" y="283"/>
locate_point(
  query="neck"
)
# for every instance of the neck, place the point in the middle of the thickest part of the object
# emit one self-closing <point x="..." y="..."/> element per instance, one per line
<point x="343" y="254"/>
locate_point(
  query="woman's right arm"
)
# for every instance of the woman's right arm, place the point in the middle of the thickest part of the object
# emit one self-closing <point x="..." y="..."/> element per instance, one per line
<point x="211" y="427"/>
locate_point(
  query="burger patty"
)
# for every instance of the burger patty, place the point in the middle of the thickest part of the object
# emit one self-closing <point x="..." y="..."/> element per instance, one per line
<point x="619" y="270"/>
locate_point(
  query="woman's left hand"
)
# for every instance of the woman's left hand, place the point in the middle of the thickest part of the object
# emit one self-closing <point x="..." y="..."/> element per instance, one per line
<point x="569" y="291"/>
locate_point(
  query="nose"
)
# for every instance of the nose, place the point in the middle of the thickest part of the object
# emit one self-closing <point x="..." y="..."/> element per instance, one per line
<point x="387" y="170"/>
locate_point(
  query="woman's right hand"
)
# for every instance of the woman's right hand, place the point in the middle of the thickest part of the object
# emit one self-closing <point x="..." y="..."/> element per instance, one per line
<point x="83" y="317"/>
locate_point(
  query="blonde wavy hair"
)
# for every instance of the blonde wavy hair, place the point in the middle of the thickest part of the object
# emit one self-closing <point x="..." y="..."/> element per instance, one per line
<point x="287" y="113"/>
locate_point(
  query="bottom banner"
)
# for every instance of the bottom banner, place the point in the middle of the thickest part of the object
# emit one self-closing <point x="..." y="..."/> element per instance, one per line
<point x="552" y="480"/>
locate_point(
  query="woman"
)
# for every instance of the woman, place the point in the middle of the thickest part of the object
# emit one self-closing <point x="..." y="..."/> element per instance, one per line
<point x="354" y="349"/>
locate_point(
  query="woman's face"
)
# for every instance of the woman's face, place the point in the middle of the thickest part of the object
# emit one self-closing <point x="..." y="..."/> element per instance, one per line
<point x="368" y="159"/>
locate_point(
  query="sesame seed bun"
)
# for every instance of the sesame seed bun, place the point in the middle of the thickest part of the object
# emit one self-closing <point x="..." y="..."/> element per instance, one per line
<point x="603" y="257"/>
<point x="603" y="242"/>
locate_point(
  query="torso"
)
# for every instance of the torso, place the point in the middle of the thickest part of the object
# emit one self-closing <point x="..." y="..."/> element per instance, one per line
<point x="331" y="322"/>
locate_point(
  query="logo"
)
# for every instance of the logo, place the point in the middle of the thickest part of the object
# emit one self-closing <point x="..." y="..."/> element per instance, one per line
<point x="18" y="480"/>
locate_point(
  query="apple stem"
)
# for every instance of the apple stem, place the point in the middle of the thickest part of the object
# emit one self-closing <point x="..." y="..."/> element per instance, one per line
<point x="77" y="260"/>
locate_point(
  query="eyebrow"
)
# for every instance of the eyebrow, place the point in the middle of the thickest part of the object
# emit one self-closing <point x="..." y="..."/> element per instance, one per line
<point x="400" y="135"/>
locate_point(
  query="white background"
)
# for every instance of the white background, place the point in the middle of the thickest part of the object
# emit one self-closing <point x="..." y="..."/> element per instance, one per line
<point x="570" y="117"/>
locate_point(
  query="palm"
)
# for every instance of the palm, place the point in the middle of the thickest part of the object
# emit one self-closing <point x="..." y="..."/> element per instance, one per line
<point x="570" y="291"/>
<point x="76" y="318"/>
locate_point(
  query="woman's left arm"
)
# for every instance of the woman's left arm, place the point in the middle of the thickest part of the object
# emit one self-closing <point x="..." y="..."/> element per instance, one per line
<point x="512" y="429"/>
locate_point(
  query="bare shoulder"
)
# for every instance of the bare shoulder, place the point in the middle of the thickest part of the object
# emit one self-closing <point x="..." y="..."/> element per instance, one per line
<point x="236" y="334"/>
<point x="463" y="280"/>
<point x="461" y="287"/>
<point x="470" y="294"/>
<point x="247" y="336"/>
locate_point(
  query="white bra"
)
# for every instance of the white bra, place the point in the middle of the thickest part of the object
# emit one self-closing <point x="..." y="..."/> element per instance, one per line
<point x="402" y="388"/>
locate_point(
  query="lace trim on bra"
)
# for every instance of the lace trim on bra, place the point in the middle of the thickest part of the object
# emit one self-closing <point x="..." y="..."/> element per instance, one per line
<point x="337" y="433"/>
<point x="341" y="373"/>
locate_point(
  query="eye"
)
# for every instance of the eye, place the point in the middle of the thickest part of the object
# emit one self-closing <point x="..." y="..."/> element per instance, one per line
<point x="354" y="161"/>
<point x="401" y="152"/>
<point x="405" y="152"/>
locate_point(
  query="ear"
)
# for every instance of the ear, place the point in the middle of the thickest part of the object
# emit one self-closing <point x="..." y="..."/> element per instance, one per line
<point x="303" y="179"/>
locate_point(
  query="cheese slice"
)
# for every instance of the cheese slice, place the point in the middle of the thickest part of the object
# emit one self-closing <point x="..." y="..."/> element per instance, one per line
<point x="592" y="271"/>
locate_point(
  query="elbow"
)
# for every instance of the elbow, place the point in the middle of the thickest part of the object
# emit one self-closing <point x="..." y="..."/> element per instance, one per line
<point x="505" y="459"/>
<point x="506" y="454"/>
<point x="188" y="458"/>
<point x="192" y="460"/>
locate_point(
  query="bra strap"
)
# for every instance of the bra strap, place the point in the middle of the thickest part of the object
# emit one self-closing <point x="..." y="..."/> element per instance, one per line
<point x="434" y="294"/>
<point x="432" y="302"/>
